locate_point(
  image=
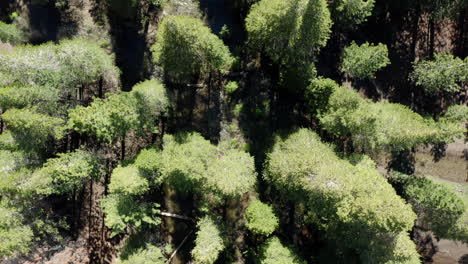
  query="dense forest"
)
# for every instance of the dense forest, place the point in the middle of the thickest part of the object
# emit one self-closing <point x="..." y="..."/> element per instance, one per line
<point x="233" y="131"/>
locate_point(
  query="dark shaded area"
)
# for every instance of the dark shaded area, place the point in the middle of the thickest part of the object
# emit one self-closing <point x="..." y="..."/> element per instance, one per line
<point x="133" y="56"/>
<point x="44" y="22"/>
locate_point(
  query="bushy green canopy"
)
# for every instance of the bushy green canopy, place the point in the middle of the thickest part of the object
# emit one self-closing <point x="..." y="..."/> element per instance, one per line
<point x="352" y="12"/>
<point x="128" y="181"/>
<point x="382" y="126"/>
<point x="438" y="206"/>
<point x="190" y="162"/>
<point x="445" y="73"/>
<point x="15" y="237"/>
<point x="112" y="118"/>
<point x="9" y="33"/>
<point x="349" y="203"/>
<point x="32" y="130"/>
<point x="21" y="96"/>
<point x="148" y="255"/>
<point x="289" y="31"/>
<point x="318" y="93"/>
<point x="69" y="171"/>
<point x="186" y="49"/>
<point x="364" y="61"/>
<point x="274" y="252"/>
<point x="260" y="218"/>
<point x="126" y="211"/>
<point x="64" y="66"/>
<point x="209" y="242"/>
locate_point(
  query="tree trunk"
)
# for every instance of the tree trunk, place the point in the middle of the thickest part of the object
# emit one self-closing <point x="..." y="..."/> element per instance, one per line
<point x="101" y="84"/>
<point x="431" y="37"/>
<point x="122" y="144"/>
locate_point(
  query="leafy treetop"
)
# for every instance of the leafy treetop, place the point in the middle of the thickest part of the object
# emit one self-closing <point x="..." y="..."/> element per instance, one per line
<point x="363" y="61"/>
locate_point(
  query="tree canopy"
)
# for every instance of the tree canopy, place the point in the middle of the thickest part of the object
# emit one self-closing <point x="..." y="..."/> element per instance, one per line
<point x="363" y="61"/>
<point x="186" y="49"/>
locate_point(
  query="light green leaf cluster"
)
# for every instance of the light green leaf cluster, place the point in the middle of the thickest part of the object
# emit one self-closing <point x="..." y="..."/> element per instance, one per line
<point x="209" y="242"/>
<point x="362" y="62"/>
<point x="456" y="113"/>
<point x="353" y="12"/>
<point x="382" y="126"/>
<point x="32" y="130"/>
<point x="349" y="203"/>
<point x="391" y="249"/>
<point x="445" y="73"/>
<point x="63" y="66"/>
<point x="260" y="218"/>
<point x="191" y="163"/>
<point x="186" y="49"/>
<point x="318" y="93"/>
<point x="69" y="171"/>
<point x="9" y="33"/>
<point x="122" y="211"/>
<point x="128" y="181"/>
<point x="21" y="96"/>
<point x="148" y="255"/>
<point x="438" y="206"/>
<point x="274" y="252"/>
<point x="289" y="31"/>
<point x="15" y="237"/>
<point x="112" y="118"/>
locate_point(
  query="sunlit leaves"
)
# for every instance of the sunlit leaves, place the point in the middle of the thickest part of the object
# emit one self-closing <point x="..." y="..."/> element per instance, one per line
<point x="445" y="73"/>
<point x="261" y="218"/>
<point x="289" y="31"/>
<point x="209" y="242"/>
<point x="361" y="62"/>
<point x="274" y="252"/>
<point x="186" y="49"/>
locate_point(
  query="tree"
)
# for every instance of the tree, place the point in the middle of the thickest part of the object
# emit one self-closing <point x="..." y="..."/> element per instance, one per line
<point x="148" y="255"/>
<point x="439" y="208"/>
<point x="33" y="130"/>
<point x="318" y="93"/>
<point x="65" y="66"/>
<point x="361" y="62"/>
<point x="127" y="181"/>
<point x="112" y="118"/>
<point x="209" y="242"/>
<point x="289" y="31"/>
<point x="69" y="171"/>
<point x="445" y="73"/>
<point x="274" y="252"/>
<point x="352" y="12"/>
<point x="353" y="204"/>
<point x="186" y="50"/>
<point x="382" y="126"/>
<point x="9" y="33"/>
<point x="260" y="218"/>
<point x="15" y="237"/>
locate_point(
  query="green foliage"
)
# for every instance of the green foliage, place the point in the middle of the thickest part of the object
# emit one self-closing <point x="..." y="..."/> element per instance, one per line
<point x="122" y="211"/>
<point x="318" y="93"/>
<point x="148" y="255"/>
<point x="231" y="87"/>
<point x="21" y="96"/>
<point x="289" y="31"/>
<point x="127" y="181"/>
<point x="456" y="113"/>
<point x="445" y="73"/>
<point x="382" y="126"/>
<point x="363" y="61"/>
<point x="9" y="33"/>
<point x="391" y="249"/>
<point x="64" y="66"/>
<point x="14" y="236"/>
<point x="112" y="118"/>
<point x="261" y="218"/>
<point x="209" y="242"/>
<point x="438" y="206"/>
<point x="186" y="49"/>
<point x="274" y="252"/>
<point x="191" y="163"/>
<point x="349" y="203"/>
<point x="31" y="129"/>
<point x="352" y="12"/>
<point x="70" y="170"/>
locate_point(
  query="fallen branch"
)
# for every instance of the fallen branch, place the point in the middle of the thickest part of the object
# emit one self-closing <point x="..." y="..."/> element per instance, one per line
<point x="181" y="244"/>
<point x="176" y="216"/>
